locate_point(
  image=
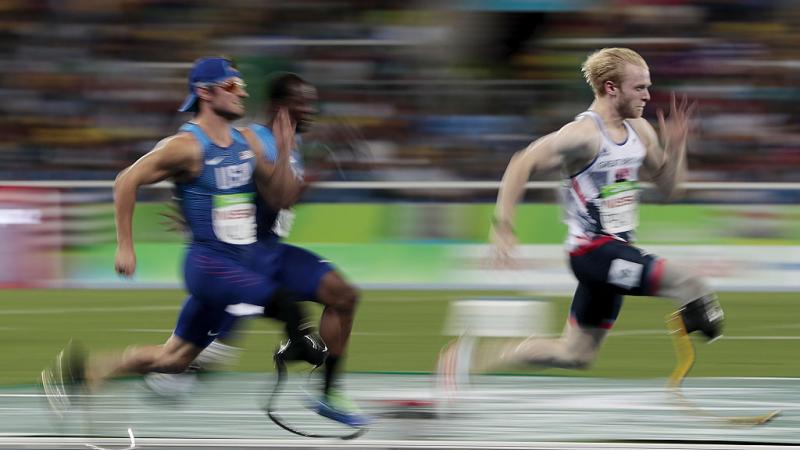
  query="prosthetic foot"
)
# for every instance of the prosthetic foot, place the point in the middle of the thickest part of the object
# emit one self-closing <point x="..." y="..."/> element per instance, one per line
<point x="704" y="315"/>
<point x="308" y="347"/>
<point x="706" y="318"/>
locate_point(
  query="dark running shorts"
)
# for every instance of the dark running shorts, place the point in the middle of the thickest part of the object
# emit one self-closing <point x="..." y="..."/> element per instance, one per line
<point x="216" y="282"/>
<point x="607" y="269"/>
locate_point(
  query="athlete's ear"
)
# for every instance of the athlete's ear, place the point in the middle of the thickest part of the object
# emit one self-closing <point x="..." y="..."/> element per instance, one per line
<point x="203" y="93"/>
<point x="610" y="87"/>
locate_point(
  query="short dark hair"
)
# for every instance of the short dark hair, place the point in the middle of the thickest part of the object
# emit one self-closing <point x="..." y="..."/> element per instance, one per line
<point x="281" y="84"/>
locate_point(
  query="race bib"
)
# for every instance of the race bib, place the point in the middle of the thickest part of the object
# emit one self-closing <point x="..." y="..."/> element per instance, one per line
<point x="234" y="218"/>
<point x="283" y="223"/>
<point x="619" y="207"/>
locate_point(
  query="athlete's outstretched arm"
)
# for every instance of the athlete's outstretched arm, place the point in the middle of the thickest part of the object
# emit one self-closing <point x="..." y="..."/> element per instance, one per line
<point x="574" y="144"/>
<point x="539" y="155"/>
<point x="665" y="162"/>
<point x="172" y="156"/>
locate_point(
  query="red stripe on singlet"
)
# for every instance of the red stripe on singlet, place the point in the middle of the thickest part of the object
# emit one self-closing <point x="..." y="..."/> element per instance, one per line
<point x="577" y="188"/>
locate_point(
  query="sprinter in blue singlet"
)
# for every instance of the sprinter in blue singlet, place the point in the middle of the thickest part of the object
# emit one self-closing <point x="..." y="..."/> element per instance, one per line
<point x="219" y="172"/>
<point x="298" y="273"/>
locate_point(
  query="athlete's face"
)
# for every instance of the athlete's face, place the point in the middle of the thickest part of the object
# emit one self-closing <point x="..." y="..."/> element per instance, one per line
<point x="227" y="98"/>
<point x="302" y="104"/>
<point x="633" y="93"/>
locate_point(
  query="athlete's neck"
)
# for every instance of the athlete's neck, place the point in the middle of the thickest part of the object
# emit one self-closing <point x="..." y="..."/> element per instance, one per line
<point x="216" y="127"/>
<point x="612" y="119"/>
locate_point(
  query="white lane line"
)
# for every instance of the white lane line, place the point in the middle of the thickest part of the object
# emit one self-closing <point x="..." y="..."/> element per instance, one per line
<point x="8" y="312"/>
<point x="367" y="333"/>
<point x="104" y="309"/>
<point x="383" y="444"/>
<point x="627" y="333"/>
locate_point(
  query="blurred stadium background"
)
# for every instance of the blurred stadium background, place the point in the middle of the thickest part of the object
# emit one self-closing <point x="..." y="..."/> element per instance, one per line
<point x="421" y="106"/>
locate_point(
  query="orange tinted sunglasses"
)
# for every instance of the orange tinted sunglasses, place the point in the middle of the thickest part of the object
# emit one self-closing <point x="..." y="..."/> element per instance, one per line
<point x="229" y="85"/>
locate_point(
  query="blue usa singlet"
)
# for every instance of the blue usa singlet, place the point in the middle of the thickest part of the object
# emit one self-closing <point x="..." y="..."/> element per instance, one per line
<point x="219" y="205"/>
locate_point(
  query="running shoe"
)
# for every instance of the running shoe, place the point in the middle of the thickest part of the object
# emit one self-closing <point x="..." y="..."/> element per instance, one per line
<point x="336" y="406"/>
<point x="453" y="366"/>
<point x="65" y="378"/>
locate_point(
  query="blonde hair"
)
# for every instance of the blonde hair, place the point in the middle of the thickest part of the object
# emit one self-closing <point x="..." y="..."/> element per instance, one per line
<point x="607" y="64"/>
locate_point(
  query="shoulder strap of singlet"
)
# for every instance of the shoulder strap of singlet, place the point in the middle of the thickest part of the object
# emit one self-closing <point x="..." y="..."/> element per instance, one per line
<point x="238" y="136"/>
<point x="257" y="128"/>
<point x="265" y="136"/>
<point x="631" y="130"/>
<point x="596" y="118"/>
<point x="191" y="127"/>
<point x="603" y="130"/>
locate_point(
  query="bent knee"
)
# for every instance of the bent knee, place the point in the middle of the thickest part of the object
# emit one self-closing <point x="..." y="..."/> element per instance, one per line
<point x="692" y="288"/>
<point x="346" y="299"/>
<point x="349" y="297"/>
<point x="340" y="295"/>
<point x="680" y="283"/>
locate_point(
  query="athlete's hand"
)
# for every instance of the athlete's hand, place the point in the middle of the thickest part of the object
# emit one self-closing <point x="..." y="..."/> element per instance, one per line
<point x="283" y="130"/>
<point x="675" y="128"/>
<point x="504" y="243"/>
<point x="125" y="262"/>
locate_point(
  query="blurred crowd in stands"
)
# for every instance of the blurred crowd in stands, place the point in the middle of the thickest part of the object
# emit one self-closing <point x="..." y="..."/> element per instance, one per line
<point x="409" y="90"/>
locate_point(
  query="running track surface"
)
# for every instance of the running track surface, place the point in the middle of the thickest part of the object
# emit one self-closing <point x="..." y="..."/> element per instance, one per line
<point x="493" y="412"/>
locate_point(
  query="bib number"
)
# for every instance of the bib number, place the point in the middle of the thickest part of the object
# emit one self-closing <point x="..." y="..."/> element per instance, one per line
<point x="234" y="218"/>
<point x="619" y="207"/>
<point x="283" y="223"/>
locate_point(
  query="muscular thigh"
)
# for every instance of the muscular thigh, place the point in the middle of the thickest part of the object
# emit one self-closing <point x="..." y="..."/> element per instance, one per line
<point x="595" y="306"/>
<point x="220" y="280"/>
<point x="301" y="271"/>
<point x="199" y="323"/>
<point x="678" y="282"/>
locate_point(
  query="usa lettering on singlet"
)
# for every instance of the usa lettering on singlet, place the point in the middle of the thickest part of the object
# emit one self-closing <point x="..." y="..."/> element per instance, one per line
<point x="219" y="205"/>
<point x="603" y="197"/>
<point x="282" y="220"/>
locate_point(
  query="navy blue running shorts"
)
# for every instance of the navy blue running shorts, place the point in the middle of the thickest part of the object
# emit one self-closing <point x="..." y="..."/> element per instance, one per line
<point x="608" y="269"/>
